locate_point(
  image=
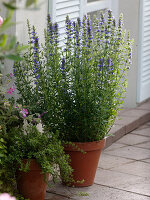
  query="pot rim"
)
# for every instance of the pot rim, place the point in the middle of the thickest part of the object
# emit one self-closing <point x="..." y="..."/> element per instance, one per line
<point x="85" y="146"/>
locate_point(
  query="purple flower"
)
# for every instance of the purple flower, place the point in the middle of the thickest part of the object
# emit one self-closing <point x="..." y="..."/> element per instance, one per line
<point x="24" y="112"/>
<point x="63" y="66"/>
<point x="35" y="41"/>
<point x="42" y="114"/>
<point x="110" y="64"/>
<point x="100" y="65"/>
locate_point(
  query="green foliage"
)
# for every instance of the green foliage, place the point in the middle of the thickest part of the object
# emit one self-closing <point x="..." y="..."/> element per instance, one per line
<point x="82" y="194"/>
<point x="46" y="149"/>
<point x="8" y="47"/>
<point x="21" y="140"/>
<point x="9" y="118"/>
<point x="79" y="88"/>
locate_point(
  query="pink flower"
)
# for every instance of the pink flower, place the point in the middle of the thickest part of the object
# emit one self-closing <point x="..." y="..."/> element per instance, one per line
<point x="11" y="90"/>
<point x="6" y="196"/>
<point x="11" y="75"/>
<point x="24" y="112"/>
<point x="15" y="106"/>
<point x="1" y="21"/>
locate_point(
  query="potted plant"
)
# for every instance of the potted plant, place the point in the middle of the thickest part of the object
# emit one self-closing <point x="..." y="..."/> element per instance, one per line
<point x="80" y="88"/>
<point x="28" y="155"/>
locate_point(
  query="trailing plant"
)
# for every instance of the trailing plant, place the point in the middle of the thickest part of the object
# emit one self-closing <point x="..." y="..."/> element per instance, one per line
<point x="79" y="89"/>
<point x="24" y="141"/>
<point x="20" y="139"/>
<point x="29" y="143"/>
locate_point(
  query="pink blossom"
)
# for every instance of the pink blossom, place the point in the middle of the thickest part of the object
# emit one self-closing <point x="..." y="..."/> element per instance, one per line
<point x="1" y="21"/>
<point x="11" y="90"/>
<point x="6" y="196"/>
<point x="15" y="106"/>
<point x="11" y="75"/>
<point x="24" y="112"/>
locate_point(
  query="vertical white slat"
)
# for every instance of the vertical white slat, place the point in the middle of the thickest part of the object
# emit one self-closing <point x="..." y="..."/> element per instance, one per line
<point x="97" y="5"/>
<point x="83" y="4"/>
<point x="59" y="9"/>
<point x="75" y="8"/>
<point x="114" y="6"/>
<point x="52" y="9"/>
<point x="143" y="89"/>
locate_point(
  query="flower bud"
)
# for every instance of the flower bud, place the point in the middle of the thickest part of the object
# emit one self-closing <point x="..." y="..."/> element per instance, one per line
<point x="1" y="21"/>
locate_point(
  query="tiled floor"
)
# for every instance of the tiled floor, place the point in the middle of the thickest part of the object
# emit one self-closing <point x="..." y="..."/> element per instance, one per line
<point x="123" y="172"/>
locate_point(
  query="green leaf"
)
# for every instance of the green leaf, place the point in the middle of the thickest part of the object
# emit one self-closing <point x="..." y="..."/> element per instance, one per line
<point x="12" y="42"/>
<point x="13" y="57"/>
<point x="2" y="140"/>
<point x="30" y="2"/>
<point x="1" y="155"/>
<point x="9" y="6"/>
<point x="3" y="39"/>
<point x="22" y="48"/>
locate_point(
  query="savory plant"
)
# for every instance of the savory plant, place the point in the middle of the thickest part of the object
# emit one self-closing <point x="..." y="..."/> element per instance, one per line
<point x="80" y="87"/>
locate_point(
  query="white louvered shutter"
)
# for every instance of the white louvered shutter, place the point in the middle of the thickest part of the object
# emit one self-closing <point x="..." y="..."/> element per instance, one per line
<point x="59" y="9"/>
<point x="144" y="52"/>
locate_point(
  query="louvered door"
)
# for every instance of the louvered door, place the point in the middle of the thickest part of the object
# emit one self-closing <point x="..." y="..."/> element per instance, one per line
<point x="144" y="52"/>
<point x="59" y="9"/>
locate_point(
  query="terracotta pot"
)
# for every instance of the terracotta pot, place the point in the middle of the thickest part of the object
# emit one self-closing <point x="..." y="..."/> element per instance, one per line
<point x="84" y="165"/>
<point x="31" y="184"/>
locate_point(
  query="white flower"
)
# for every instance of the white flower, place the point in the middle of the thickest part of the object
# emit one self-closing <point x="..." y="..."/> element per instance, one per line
<point x="6" y="196"/>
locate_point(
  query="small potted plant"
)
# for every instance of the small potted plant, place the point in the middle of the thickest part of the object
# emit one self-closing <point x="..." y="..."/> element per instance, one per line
<point x="80" y="88"/>
<point x="28" y="156"/>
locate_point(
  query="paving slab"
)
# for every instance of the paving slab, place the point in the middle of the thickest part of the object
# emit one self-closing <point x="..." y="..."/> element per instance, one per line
<point x="131" y="139"/>
<point x="146" y="160"/>
<point x="143" y="130"/>
<point x="148" y="124"/>
<point x="130" y="122"/>
<point x="144" y="145"/>
<point x="125" y="120"/>
<point x="131" y="152"/>
<point x="51" y="196"/>
<point x="98" y="192"/>
<point x="123" y="181"/>
<point x="117" y="131"/>
<point x="142" y="187"/>
<point x="134" y="112"/>
<point x="109" y="162"/>
<point x="144" y="106"/>
<point x="137" y="168"/>
<point x="123" y="171"/>
<point x="114" y="146"/>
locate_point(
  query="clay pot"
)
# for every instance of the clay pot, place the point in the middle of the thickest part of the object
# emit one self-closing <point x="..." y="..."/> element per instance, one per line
<point x="84" y="165"/>
<point x="31" y="184"/>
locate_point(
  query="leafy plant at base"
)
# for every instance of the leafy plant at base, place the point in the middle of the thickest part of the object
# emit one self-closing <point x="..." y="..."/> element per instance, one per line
<point x="45" y="148"/>
<point x="20" y="139"/>
<point x="20" y="142"/>
<point x="79" y="88"/>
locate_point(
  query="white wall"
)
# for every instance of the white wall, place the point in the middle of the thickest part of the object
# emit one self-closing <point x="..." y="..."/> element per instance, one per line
<point x="10" y="31"/>
<point x="36" y="18"/>
<point x="130" y="10"/>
